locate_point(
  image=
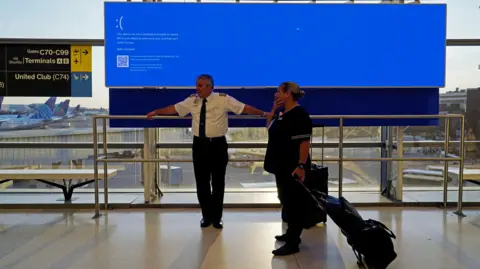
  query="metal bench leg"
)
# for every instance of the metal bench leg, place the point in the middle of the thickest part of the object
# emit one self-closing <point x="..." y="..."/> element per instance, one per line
<point x="67" y="195"/>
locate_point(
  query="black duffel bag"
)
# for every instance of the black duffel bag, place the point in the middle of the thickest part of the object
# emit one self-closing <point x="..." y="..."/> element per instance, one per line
<point x="370" y="240"/>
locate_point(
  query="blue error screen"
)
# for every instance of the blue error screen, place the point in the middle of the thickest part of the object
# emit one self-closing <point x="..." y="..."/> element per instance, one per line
<point x="262" y="45"/>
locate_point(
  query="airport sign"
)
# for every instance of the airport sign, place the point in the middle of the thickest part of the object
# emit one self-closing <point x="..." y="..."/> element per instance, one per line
<point x="28" y="70"/>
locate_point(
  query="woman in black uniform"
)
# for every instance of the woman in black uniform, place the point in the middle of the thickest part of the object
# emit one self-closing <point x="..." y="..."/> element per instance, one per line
<point x="287" y="157"/>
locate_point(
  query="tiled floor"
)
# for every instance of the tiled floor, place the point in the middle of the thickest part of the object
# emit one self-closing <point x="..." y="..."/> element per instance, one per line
<point x="171" y="238"/>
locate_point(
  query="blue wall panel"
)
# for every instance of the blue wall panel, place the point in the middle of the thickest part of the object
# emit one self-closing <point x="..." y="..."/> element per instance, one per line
<point x="338" y="101"/>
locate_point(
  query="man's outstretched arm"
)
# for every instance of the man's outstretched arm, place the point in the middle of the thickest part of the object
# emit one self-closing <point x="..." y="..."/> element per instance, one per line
<point x="240" y="108"/>
<point x="248" y="109"/>
<point x="169" y="110"/>
<point x="182" y="109"/>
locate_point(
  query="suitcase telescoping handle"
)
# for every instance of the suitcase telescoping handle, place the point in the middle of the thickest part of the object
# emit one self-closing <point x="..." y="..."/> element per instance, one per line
<point x="309" y="192"/>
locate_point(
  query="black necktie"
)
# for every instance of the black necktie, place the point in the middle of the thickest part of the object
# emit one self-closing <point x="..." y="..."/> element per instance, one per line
<point x="203" y="114"/>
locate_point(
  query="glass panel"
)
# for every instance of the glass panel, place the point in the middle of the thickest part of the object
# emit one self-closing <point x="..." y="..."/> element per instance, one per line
<point x="127" y="178"/>
<point x="245" y="170"/>
<point x="462" y="68"/>
<point x="423" y="180"/>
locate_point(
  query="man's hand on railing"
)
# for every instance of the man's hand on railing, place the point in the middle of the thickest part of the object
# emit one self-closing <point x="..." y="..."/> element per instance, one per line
<point x="267" y="114"/>
<point x="151" y="115"/>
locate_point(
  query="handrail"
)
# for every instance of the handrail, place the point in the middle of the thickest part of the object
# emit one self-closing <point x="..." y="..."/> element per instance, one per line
<point x="106" y="160"/>
<point x="340" y="158"/>
<point x="166" y="145"/>
<point x="233" y="145"/>
<point x="140" y="117"/>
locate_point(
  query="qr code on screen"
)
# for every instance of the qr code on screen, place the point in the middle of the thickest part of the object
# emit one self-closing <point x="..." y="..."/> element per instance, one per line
<point x="122" y="61"/>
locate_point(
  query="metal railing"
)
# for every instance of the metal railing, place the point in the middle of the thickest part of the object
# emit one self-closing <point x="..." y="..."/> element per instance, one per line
<point x="233" y="145"/>
<point x="340" y="158"/>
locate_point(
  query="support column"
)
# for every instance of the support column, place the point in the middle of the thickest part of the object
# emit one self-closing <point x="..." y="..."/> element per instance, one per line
<point x="387" y="187"/>
<point x="146" y="178"/>
<point x="399" y="185"/>
<point x="148" y="168"/>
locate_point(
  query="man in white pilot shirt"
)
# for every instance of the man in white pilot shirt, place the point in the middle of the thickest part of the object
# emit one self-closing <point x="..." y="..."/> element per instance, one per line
<point x="210" y="149"/>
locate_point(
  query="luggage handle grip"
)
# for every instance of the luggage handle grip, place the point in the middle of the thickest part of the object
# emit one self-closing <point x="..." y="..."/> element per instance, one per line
<point x="309" y="192"/>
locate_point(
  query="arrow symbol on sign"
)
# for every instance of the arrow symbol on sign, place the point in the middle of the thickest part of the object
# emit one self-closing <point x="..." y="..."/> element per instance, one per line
<point x="75" y="77"/>
<point x="85" y="77"/>
<point x="85" y="52"/>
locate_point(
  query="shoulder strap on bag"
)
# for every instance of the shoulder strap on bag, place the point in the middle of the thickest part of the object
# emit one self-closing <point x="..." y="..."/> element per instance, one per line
<point x="381" y="225"/>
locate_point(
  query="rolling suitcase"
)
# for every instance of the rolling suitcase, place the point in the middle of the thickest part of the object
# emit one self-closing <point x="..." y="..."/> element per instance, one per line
<point x="318" y="181"/>
<point x="370" y="240"/>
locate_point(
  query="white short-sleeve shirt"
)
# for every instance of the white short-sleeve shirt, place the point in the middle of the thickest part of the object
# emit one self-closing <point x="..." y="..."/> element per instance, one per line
<point x="218" y="106"/>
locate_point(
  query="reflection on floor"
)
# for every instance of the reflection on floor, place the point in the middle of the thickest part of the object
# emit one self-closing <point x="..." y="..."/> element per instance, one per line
<point x="170" y="238"/>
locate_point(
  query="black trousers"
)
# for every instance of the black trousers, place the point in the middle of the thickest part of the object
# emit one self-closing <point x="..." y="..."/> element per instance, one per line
<point x="291" y="198"/>
<point x="210" y="159"/>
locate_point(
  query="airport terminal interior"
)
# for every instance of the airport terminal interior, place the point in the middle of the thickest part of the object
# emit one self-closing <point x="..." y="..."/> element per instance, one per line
<point x="55" y="214"/>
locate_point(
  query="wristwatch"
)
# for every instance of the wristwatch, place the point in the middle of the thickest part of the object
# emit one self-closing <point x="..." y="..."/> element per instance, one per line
<point x="301" y="165"/>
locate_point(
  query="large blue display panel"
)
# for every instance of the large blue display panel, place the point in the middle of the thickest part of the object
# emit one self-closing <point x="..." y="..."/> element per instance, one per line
<point x="243" y="45"/>
<point x="345" y="101"/>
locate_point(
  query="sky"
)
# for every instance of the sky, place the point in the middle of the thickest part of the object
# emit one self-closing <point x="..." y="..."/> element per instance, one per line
<point x="83" y="19"/>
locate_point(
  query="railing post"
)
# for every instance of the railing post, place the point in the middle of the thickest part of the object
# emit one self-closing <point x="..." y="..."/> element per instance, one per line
<point x="146" y="171"/>
<point x="95" y="166"/>
<point x="158" y="174"/>
<point x="460" y="169"/>
<point x="340" y="156"/>
<point x="399" y="185"/>
<point x="105" y="165"/>
<point x="446" y="148"/>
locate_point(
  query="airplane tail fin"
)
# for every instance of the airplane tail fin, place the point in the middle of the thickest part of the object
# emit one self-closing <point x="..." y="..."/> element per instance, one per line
<point x="44" y="112"/>
<point x="58" y="111"/>
<point x="51" y="103"/>
<point x="65" y="105"/>
<point x="61" y="109"/>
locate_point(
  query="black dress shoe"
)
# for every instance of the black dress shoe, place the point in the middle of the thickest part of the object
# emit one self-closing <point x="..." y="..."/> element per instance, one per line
<point x="205" y="223"/>
<point x="218" y="224"/>
<point x="287" y="249"/>
<point x="283" y="238"/>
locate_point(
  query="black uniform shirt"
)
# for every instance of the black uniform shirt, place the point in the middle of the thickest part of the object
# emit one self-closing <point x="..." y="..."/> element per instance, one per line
<point x="285" y="134"/>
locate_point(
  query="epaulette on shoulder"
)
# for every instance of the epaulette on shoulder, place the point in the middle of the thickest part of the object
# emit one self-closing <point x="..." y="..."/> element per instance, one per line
<point x="192" y="95"/>
<point x="222" y="94"/>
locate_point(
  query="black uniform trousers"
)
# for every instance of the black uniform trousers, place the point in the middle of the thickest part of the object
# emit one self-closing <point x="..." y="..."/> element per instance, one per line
<point x="292" y="197"/>
<point x="210" y="159"/>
